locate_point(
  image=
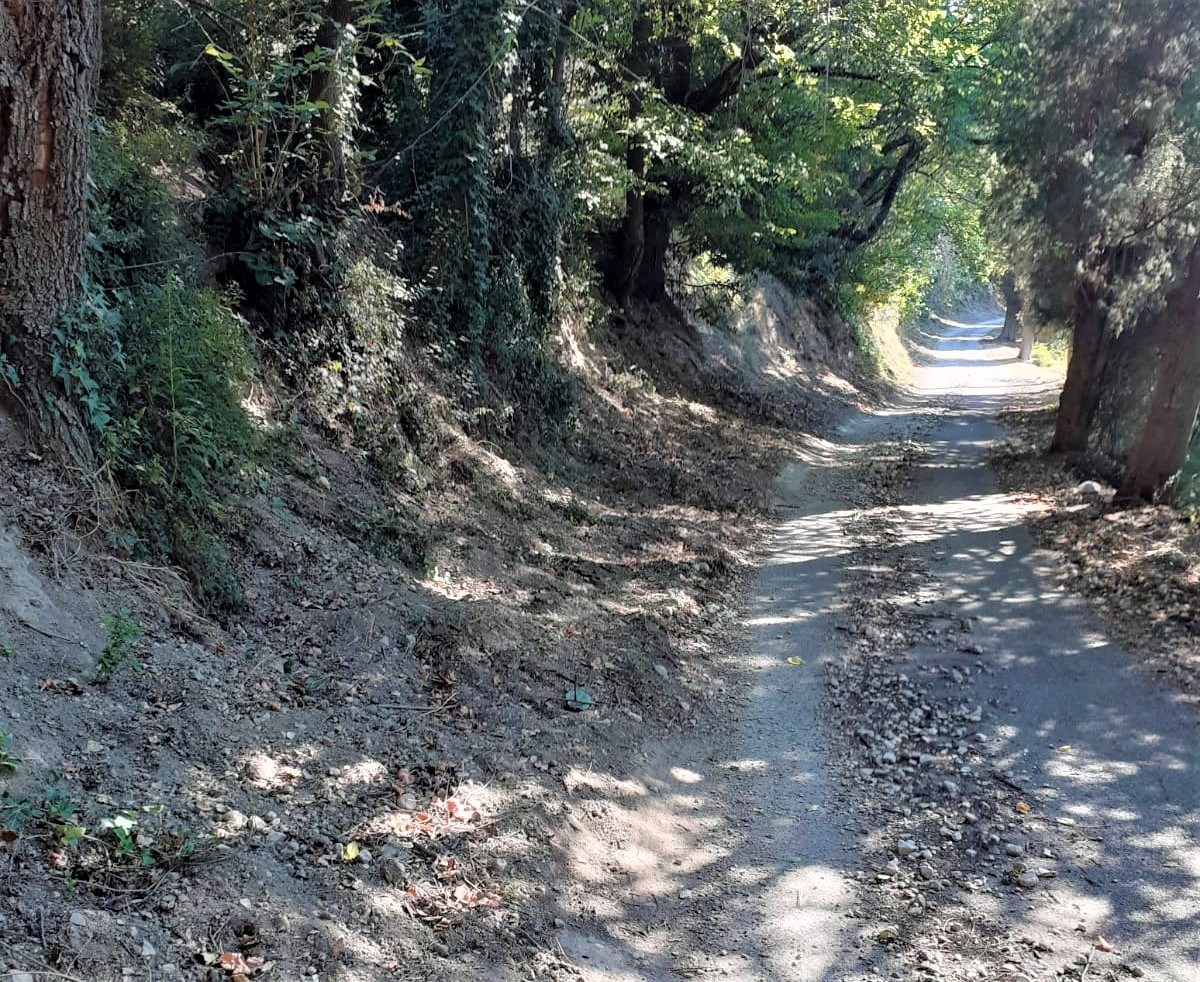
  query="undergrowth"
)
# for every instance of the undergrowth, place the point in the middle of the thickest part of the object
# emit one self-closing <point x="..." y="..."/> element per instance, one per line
<point x="156" y="361"/>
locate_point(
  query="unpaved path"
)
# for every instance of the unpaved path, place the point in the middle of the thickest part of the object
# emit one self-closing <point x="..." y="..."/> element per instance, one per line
<point x="962" y="780"/>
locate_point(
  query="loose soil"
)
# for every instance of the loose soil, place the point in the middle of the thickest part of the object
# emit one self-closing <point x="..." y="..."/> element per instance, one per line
<point x="374" y="774"/>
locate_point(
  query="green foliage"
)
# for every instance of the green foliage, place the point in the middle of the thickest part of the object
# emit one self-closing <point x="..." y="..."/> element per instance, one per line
<point x="155" y="361"/>
<point x="120" y="648"/>
<point x="1106" y="196"/>
<point x="8" y="762"/>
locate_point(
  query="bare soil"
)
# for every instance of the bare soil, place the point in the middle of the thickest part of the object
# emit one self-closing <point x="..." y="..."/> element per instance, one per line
<point x="370" y="775"/>
<point x="1138" y="565"/>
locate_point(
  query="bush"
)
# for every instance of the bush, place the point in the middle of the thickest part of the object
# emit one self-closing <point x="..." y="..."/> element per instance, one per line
<point x="156" y="361"/>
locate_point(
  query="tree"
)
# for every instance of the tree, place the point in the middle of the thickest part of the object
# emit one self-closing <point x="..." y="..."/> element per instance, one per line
<point x="1012" y="308"/>
<point x="49" y="59"/>
<point x="1101" y="154"/>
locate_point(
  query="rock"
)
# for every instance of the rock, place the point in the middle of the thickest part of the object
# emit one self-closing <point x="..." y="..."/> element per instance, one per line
<point x="393" y="872"/>
<point x="1013" y="849"/>
<point x="688" y="894"/>
<point x="1028" y="880"/>
<point x="20" y="977"/>
<point x="662" y="670"/>
<point x="926" y="871"/>
<point x="905" y="847"/>
<point x="1090" y="489"/>
<point x="950" y="787"/>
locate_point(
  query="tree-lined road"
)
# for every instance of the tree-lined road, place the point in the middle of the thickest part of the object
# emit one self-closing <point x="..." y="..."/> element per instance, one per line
<point x="963" y="778"/>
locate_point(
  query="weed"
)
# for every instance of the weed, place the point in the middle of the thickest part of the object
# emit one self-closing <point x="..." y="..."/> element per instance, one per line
<point x="122" y="826"/>
<point x="8" y="762"/>
<point x="1052" y="354"/>
<point x="123" y="635"/>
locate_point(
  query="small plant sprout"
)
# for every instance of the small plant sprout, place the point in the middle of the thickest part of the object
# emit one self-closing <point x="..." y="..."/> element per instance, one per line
<point x="8" y="763"/>
<point x="123" y="635"/>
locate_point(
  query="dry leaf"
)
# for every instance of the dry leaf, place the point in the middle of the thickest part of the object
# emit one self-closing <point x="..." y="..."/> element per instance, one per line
<point x="1102" y="945"/>
<point x="1022" y="808"/>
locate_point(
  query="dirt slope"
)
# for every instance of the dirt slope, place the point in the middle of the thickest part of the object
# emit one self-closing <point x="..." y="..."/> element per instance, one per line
<point x="372" y="774"/>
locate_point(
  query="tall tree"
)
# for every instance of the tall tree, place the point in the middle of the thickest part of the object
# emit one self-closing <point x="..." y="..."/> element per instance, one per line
<point x="49" y="59"/>
<point x="1103" y="162"/>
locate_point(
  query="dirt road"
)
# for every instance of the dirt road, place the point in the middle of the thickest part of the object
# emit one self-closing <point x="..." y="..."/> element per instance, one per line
<point x="940" y="767"/>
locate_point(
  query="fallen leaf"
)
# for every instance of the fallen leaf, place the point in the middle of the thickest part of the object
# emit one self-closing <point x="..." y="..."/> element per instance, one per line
<point x="1102" y="945"/>
<point x="1066" y="748"/>
<point x="794" y="660"/>
<point x="1022" y="808"/>
<point x="350" y="852"/>
<point x="232" y="961"/>
<point x="8" y="839"/>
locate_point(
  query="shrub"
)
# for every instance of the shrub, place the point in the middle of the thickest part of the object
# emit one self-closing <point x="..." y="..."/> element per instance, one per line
<point x="157" y="362"/>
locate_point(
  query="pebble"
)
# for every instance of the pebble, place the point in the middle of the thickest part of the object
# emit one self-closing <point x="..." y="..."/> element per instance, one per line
<point x="1013" y="849"/>
<point x="1028" y="880"/>
<point x="926" y="871"/>
<point x="905" y="847"/>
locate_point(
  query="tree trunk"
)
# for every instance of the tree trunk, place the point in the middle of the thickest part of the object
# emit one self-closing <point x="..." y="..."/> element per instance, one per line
<point x="49" y="61"/>
<point x="1012" y="311"/>
<point x="652" y="273"/>
<point x="326" y="86"/>
<point x="630" y="240"/>
<point x="1025" y="327"/>
<point x="1081" y="391"/>
<point x="1170" y="419"/>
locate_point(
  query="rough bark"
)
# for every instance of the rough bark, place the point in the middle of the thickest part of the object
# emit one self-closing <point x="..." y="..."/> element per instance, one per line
<point x="1012" y="309"/>
<point x="1170" y="419"/>
<point x="1090" y="344"/>
<point x="326" y="86"/>
<point x="49" y="59"/>
<point x="1025" y="328"/>
<point x="652" y="272"/>
<point x="630" y="240"/>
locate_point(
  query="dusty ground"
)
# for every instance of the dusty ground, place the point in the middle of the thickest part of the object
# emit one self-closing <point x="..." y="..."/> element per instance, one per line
<point x="877" y="743"/>
<point x="1139" y="566"/>
<point x="374" y="775"/>
<point x="939" y="767"/>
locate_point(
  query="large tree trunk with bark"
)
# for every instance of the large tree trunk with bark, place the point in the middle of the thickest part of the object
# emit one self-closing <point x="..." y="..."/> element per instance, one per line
<point x="1025" y="327"/>
<point x="1012" y="310"/>
<point x="1170" y="418"/>
<point x="1090" y="343"/>
<point x="630" y="240"/>
<point x="326" y="86"/>
<point x="49" y="60"/>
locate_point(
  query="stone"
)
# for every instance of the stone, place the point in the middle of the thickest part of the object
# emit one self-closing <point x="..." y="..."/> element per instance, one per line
<point x="1028" y="880"/>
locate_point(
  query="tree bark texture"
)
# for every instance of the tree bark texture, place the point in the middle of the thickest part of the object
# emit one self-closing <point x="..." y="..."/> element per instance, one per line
<point x="1170" y="417"/>
<point x="1012" y="310"/>
<point x="630" y="240"/>
<point x="326" y="85"/>
<point x="1090" y="344"/>
<point x="49" y="60"/>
